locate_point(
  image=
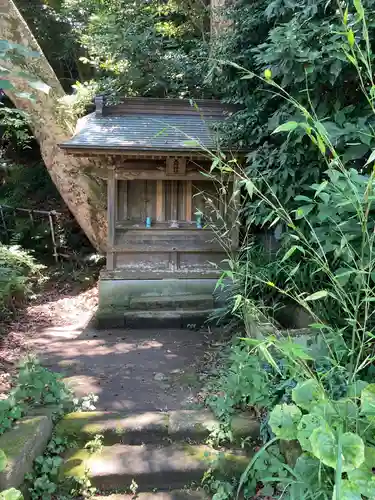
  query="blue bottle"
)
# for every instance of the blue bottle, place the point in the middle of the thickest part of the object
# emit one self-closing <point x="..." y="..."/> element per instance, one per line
<point x="199" y="222"/>
<point x="148" y="222"/>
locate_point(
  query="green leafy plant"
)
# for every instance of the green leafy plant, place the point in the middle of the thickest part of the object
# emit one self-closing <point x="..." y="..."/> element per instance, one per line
<point x="39" y="386"/>
<point x="19" y="272"/>
<point x="95" y="445"/>
<point x="329" y="231"/>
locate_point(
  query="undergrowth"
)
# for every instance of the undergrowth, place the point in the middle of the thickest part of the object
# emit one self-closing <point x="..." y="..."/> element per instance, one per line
<point x="316" y="390"/>
<point x="19" y="275"/>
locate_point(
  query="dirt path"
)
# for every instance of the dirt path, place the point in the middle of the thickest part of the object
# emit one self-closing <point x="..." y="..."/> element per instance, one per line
<point x="60" y="305"/>
<point x="127" y="369"/>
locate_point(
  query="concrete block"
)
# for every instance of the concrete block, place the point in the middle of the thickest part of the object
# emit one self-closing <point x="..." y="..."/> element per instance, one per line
<point x="22" y="444"/>
<point x="150" y="466"/>
<point x="150" y="427"/>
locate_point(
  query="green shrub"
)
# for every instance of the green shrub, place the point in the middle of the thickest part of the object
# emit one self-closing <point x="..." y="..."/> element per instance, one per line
<point x="19" y="272"/>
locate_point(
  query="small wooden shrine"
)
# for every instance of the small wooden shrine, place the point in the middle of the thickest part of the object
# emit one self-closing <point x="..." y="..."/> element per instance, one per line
<point x="156" y="152"/>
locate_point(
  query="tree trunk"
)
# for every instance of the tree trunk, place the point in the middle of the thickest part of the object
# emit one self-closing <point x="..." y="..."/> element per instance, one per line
<point x="82" y="193"/>
<point x="218" y="21"/>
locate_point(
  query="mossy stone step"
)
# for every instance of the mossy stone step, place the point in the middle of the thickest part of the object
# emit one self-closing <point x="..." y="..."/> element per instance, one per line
<point x="149" y="427"/>
<point x="173" y="302"/>
<point x="21" y="445"/>
<point x="150" y="466"/>
<point x="186" y="494"/>
<point x="176" y="318"/>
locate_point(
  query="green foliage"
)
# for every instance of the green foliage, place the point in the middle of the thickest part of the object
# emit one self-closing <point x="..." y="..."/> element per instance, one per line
<point x="29" y="186"/>
<point x="19" y="272"/>
<point x="299" y="44"/>
<point x="243" y="383"/>
<point x="39" y="386"/>
<point x="44" y="478"/>
<point x="54" y="31"/>
<point x="13" y="128"/>
<point x="149" y="48"/>
<point x="95" y="445"/>
<point x="328" y="230"/>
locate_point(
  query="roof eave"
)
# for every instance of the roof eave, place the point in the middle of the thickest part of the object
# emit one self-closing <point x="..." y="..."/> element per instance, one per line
<point x="79" y="149"/>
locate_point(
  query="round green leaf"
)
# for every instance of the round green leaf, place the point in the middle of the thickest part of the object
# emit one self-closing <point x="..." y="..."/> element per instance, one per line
<point x="364" y="477"/>
<point x="353" y="451"/>
<point x="308" y="468"/>
<point x="3" y="460"/>
<point x="348" y="491"/>
<point x="306" y="394"/>
<point x="306" y="426"/>
<point x="324" y="445"/>
<point x="325" y="409"/>
<point x="284" y="420"/>
<point x="11" y="494"/>
<point x="368" y="401"/>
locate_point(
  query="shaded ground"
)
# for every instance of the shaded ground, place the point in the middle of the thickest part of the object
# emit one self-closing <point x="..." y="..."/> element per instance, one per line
<point x="61" y="303"/>
<point x="127" y="369"/>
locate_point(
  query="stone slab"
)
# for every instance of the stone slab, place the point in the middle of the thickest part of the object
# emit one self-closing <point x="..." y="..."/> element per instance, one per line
<point x="119" y="292"/>
<point x="185" y="494"/>
<point x="138" y="428"/>
<point x="166" y="319"/>
<point x="22" y="444"/>
<point x="150" y="427"/>
<point x="174" y="302"/>
<point x="150" y="466"/>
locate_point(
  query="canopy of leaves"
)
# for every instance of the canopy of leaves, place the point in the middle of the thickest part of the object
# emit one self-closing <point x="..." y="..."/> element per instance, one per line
<point x="300" y="42"/>
<point x="152" y="47"/>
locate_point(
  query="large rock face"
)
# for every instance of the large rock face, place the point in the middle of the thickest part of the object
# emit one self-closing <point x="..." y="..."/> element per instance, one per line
<point x="22" y="444"/>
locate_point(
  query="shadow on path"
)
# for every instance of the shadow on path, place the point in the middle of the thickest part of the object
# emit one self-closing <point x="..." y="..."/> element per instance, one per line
<point x="128" y="369"/>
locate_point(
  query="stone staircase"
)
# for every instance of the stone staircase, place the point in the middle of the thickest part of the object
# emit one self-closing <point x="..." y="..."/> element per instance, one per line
<point x="178" y="311"/>
<point x="163" y="452"/>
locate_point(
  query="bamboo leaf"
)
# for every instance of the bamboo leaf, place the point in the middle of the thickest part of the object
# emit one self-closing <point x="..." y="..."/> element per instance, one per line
<point x="317" y="295"/>
<point x="359" y="8"/>
<point x="291" y="251"/>
<point x="286" y="127"/>
<point x="371" y="158"/>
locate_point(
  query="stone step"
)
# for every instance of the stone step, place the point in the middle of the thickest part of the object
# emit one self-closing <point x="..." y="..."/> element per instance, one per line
<point x="172" y="302"/>
<point x="183" y="318"/>
<point x="150" y="427"/>
<point x="145" y="319"/>
<point x="150" y="466"/>
<point x="186" y="494"/>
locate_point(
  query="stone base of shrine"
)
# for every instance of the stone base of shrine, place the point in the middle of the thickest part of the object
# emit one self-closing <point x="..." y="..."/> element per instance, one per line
<point x="157" y="303"/>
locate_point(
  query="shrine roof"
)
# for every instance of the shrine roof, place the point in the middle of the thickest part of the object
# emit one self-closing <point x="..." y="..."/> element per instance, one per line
<point x="145" y="124"/>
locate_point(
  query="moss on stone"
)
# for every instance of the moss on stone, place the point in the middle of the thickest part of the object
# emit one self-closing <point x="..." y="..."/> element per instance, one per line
<point x="227" y="462"/>
<point x="13" y="441"/>
<point x="80" y="425"/>
<point x="75" y="465"/>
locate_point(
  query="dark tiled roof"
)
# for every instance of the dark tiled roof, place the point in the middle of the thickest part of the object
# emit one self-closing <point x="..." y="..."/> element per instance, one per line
<point x="140" y="132"/>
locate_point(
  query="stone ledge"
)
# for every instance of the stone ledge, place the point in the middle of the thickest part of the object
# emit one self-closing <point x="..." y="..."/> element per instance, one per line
<point x="150" y="427"/>
<point x="162" y="495"/>
<point x="115" y="427"/>
<point x="150" y="466"/>
<point x="22" y="444"/>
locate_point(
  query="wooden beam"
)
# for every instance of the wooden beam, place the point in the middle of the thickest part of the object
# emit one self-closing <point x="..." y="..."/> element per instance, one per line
<point x="159" y="175"/>
<point x="160" y="211"/>
<point x="188" y="200"/>
<point x="111" y="216"/>
<point x="143" y="274"/>
<point x="174" y="208"/>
